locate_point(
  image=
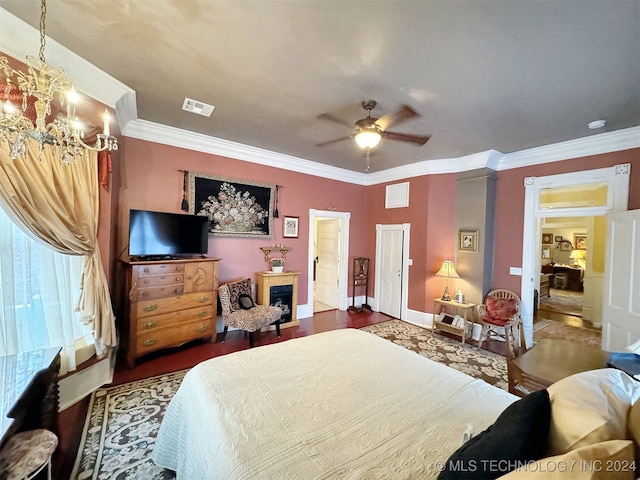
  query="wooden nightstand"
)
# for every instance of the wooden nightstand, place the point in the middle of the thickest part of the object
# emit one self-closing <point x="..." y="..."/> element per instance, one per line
<point x="447" y="327"/>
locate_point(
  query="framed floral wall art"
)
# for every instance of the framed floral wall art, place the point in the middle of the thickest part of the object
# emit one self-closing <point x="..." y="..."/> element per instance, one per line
<point x="236" y="208"/>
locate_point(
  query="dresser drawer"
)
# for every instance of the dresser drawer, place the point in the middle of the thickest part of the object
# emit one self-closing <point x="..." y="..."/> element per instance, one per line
<point x="152" y="307"/>
<point x="174" y="318"/>
<point x="159" y="280"/>
<point x="157" y="269"/>
<point x="173" y="336"/>
<point x="150" y="293"/>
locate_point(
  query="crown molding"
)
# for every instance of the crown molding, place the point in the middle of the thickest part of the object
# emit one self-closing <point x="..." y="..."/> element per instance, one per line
<point x="163" y="134"/>
<point x="580" y="147"/>
<point x="20" y="39"/>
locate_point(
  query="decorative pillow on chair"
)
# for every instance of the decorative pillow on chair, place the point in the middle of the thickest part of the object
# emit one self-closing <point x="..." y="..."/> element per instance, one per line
<point x="242" y="287"/>
<point x="245" y="301"/>
<point x="499" y="310"/>
<point x="518" y="435"/>
<point x="590" y="407"/>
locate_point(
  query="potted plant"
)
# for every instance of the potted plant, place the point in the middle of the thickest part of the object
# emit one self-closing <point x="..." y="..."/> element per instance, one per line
<point x="277" y="264"/>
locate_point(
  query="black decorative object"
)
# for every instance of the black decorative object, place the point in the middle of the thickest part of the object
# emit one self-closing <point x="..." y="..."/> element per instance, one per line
<point x="235" y="208"/>
<point x="185" y="202"/>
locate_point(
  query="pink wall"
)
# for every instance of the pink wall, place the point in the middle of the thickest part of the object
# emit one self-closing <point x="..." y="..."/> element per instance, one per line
<point x="150" y="180"/>
<point x="146" y="176"/>
<point x="431" y="213"/>
<point x="510" y="205"/>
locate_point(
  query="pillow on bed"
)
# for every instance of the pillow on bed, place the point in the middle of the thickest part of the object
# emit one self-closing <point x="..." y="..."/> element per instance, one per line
<point x="610" y="459"/>
<point x="518" y="435"/>
<point x="590" y="407"/>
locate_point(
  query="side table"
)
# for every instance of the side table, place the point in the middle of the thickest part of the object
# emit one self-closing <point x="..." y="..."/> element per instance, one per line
<point x="447" y="327"/>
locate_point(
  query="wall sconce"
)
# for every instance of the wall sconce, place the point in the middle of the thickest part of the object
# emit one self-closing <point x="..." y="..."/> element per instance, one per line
<point x="447" y="270"/>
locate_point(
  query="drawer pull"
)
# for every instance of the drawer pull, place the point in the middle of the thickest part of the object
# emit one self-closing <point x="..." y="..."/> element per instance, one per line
<point x="151" y="308"/>
<point x="178" y="279"/>
<point x="202" y="328"/>
<point x="145" y="294"/>
<point x="146" y="270"/>
<point x="178" y="291"/>
<point x="145" y="281"/>
<point x="203" y="313"/>
<point x="203" y="299"/>
<point x="150" y="324"/>
<point x="149" y="342"/>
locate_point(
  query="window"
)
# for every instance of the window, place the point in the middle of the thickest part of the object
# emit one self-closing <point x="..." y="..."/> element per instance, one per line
<point x="39" y="291"/>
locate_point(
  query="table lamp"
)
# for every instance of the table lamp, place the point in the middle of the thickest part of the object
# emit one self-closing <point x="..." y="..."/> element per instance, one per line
<point x="447" y="270"/>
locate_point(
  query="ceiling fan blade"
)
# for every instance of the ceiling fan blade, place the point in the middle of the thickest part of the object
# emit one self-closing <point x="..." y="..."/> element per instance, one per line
<point x="404" y="137"/>
<point x="329" y="142"/>
<point x="404" y="113"/>
<point x="331" y="118"/>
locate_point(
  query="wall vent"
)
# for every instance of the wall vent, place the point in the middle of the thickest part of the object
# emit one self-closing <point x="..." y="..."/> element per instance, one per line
<point x="200" y="108"/>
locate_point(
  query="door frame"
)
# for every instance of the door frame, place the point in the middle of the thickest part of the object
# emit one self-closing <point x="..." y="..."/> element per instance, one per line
<point x="343" y="272"/>
<point x="404" y="298"/>
<point x="617" y="178"/>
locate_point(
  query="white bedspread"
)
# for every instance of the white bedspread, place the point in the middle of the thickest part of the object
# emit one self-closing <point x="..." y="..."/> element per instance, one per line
<point x="342" y="404"/>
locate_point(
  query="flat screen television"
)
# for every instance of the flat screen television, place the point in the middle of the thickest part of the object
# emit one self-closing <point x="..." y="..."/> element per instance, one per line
<point x="163" y="235"/>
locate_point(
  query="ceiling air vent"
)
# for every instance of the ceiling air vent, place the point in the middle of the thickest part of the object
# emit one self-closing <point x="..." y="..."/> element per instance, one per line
<point x="200" y="108"/>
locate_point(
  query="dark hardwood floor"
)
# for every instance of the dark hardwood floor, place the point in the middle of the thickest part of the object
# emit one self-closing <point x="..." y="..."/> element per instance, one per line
<point x="71" y="420"/>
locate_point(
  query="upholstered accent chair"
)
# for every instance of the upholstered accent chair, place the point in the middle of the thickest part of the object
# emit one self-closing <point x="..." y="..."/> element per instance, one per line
<point x="239" y="310"/>
<point x="27" y="453"/>
<point x="500" y="314"/>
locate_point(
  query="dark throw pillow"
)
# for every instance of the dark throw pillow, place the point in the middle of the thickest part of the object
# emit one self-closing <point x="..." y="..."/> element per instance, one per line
<point x="246" y="302"/>
<point x="518" y="436"/>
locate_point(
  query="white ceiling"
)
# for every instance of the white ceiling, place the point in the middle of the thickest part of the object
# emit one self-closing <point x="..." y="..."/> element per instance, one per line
<point x="483" y="74"/>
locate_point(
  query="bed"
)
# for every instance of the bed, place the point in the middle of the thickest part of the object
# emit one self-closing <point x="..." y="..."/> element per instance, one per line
<point x="340" y="404"/>
<point x="347" y="404"/>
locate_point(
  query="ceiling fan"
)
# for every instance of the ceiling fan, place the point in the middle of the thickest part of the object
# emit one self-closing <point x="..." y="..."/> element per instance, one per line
<point x="368" y="131"/>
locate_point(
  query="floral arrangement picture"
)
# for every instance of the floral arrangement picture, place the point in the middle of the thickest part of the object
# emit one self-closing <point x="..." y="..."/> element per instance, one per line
<point x="277" y="264"/>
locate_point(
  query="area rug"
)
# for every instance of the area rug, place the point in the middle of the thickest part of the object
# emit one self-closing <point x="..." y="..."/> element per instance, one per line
<point x="478" y="363"/>
<point x="563" y="301"/>
<point x="123" y="421"/>
<point x="552" y="329"/>
<point x="121" y="429"/>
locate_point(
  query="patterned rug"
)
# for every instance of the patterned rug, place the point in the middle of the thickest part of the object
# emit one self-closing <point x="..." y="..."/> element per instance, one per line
<point x="121" y="428"/>
<point x="478" y="363"/>
<point x="123" y="421"/>
<point x="563" y="301"/>
<point x="551" y="329"/>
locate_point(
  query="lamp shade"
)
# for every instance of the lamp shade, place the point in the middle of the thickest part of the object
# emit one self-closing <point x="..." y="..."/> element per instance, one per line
<point x="368" y="137"/>
<point x="447" y="270"/>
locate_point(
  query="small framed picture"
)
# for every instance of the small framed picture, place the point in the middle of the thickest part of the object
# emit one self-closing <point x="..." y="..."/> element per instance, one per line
<point x="468" y="241"/>
<point x="290" y="226"/>
<point x="580" y="242"/>
<point x="547" y="238"/>
<point x="557" y="238"/>
<point x="546" y="252"/>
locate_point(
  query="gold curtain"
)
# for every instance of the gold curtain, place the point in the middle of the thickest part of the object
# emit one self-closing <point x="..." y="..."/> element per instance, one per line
<point x="58" y="205"/>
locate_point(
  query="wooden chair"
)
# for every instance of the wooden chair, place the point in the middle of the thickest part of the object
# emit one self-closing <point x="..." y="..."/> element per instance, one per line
<point x="499" y="314"/>
<point x="250" y="319"/>
<point x="516" y="346"/>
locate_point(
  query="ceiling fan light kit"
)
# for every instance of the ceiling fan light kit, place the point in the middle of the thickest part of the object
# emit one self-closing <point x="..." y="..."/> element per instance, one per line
<point x="368" y="138"/>
<point x="369" y="131"/>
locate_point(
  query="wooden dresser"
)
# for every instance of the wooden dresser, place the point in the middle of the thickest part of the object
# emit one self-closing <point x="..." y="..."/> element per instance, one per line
<point x="168" y="303"/>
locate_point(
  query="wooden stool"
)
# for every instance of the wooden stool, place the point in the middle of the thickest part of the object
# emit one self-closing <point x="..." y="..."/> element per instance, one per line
<point x="27" y="453"/>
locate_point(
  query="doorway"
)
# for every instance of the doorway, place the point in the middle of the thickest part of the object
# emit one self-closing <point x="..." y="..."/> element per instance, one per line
<point x="328" y="255"/>
<point x="542" y="200"/>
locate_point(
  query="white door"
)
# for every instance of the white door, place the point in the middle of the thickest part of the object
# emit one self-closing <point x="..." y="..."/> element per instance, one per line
<point x="327" y="261"/>
<point x="389" y="271"/>
<point x="621" y="312"/>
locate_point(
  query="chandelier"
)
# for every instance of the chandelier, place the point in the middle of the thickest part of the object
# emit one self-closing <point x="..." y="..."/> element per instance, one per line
<point x="43" y="83"/>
